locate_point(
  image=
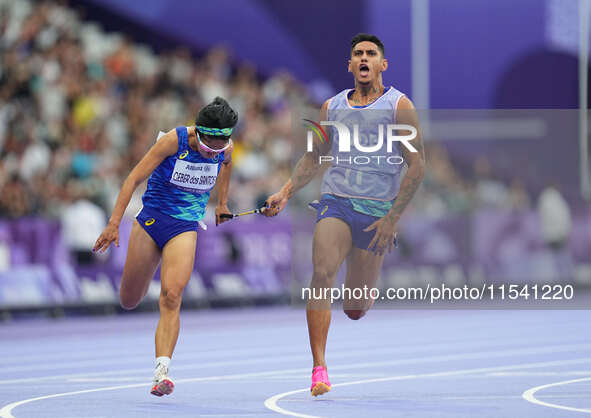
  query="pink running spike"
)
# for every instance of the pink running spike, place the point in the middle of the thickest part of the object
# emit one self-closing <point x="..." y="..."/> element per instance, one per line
<point x="320" y="382"/>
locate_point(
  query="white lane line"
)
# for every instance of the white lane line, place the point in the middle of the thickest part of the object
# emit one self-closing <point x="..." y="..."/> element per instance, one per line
<point x="230" y="415"/>
<point x="102" y="357"/>
<point x="469" y="356"/>
<point x="299" y="376"/>
<point x="119" y="359"/>
<point x="147" y="371"/>
<point x="432" y="359"/>
<point x="63" y="362"/>
<point x="527" y="374"/>
<point x="108" y="379"/>
<point x="439" y="398"/>
<point x="6" y="411"/>
<point x="271" y="403"/>
<point x="198" y="357"/>
<point x="146" y="360"/>
<point x="33" y="362"/>
<point x="528" y="395"/>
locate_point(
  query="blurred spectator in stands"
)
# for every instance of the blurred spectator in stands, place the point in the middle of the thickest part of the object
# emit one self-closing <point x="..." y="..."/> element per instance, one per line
<point x="555" y="217"/>
<point x="443" y="189"/>
<point x="489" y="191"/>
<point x="120" y="64"/>
<point x="79" y="103"/>
<point x="82" y="221"/>
<point x="15" y="200"/>
<point x="555" y="228"/>
<point x="518" y="199"/>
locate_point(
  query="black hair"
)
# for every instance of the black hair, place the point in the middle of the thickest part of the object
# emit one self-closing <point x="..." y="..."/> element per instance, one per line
<point x="361" y="37"/>
<point x="217" y="114"/>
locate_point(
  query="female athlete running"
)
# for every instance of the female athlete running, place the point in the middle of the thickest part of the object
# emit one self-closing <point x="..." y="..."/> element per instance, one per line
<point x="183" y="166"/>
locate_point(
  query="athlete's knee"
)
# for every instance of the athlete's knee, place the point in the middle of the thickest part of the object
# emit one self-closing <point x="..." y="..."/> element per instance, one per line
<point x="170" y="298"/>
<point x="355" y="314"/>
<point x="128" y="301"/>
<point x="323" y="277"/>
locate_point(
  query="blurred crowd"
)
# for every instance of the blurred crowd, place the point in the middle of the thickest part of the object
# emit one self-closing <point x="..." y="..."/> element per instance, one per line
<point x="79" y="107"/>
<point x="445" y="190"/>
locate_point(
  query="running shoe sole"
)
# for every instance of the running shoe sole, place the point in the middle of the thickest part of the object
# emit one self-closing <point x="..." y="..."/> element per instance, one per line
<point x="164" y="387"/>
<point x="320" y="388"/>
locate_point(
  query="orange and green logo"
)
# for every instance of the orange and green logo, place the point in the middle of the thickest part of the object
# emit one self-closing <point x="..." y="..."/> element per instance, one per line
<point x="317" y="129"/>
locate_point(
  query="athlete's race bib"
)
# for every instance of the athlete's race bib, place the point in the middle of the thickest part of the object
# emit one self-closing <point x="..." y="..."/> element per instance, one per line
<point x="194" y="177"/>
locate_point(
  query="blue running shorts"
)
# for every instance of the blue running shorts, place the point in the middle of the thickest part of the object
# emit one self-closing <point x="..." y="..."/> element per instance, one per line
<point x="162" y="228"/>
<point x="331" y="206"/>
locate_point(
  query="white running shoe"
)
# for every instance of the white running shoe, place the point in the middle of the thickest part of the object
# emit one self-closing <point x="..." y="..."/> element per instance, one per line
<point x="163" y="385"/>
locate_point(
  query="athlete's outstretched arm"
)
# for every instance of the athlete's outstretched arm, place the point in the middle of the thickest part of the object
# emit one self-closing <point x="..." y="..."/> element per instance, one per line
<point x="305" y="170"/>
<point x="167" y="145"/>
<point x="223" y="183"/>
<point x="386" y="226"/>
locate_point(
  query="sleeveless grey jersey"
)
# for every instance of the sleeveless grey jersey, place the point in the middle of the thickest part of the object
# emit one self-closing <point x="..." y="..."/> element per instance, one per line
<point x="357" y="174"/>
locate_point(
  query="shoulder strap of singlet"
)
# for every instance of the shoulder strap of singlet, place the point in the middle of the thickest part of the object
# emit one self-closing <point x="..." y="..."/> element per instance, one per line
<point x="335" y="101"/>
<point x="183" y="134"/>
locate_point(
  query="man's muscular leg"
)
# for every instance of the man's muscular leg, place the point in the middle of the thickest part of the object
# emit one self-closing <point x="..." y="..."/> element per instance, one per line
<point x="332" y="243"/>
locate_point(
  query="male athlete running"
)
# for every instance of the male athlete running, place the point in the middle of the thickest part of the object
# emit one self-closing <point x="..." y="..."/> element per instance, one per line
<point x="183" y="166"/>
<point x="361" y="203"/>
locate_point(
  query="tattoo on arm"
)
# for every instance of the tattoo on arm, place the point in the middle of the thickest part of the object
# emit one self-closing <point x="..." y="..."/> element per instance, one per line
<point x="309" y="165"/>
<point x="412" y="179"/>
<point x="305" y="170"/>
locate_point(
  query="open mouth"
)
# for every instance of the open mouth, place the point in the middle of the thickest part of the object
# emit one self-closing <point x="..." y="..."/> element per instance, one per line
<point x="363" y="70"/>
